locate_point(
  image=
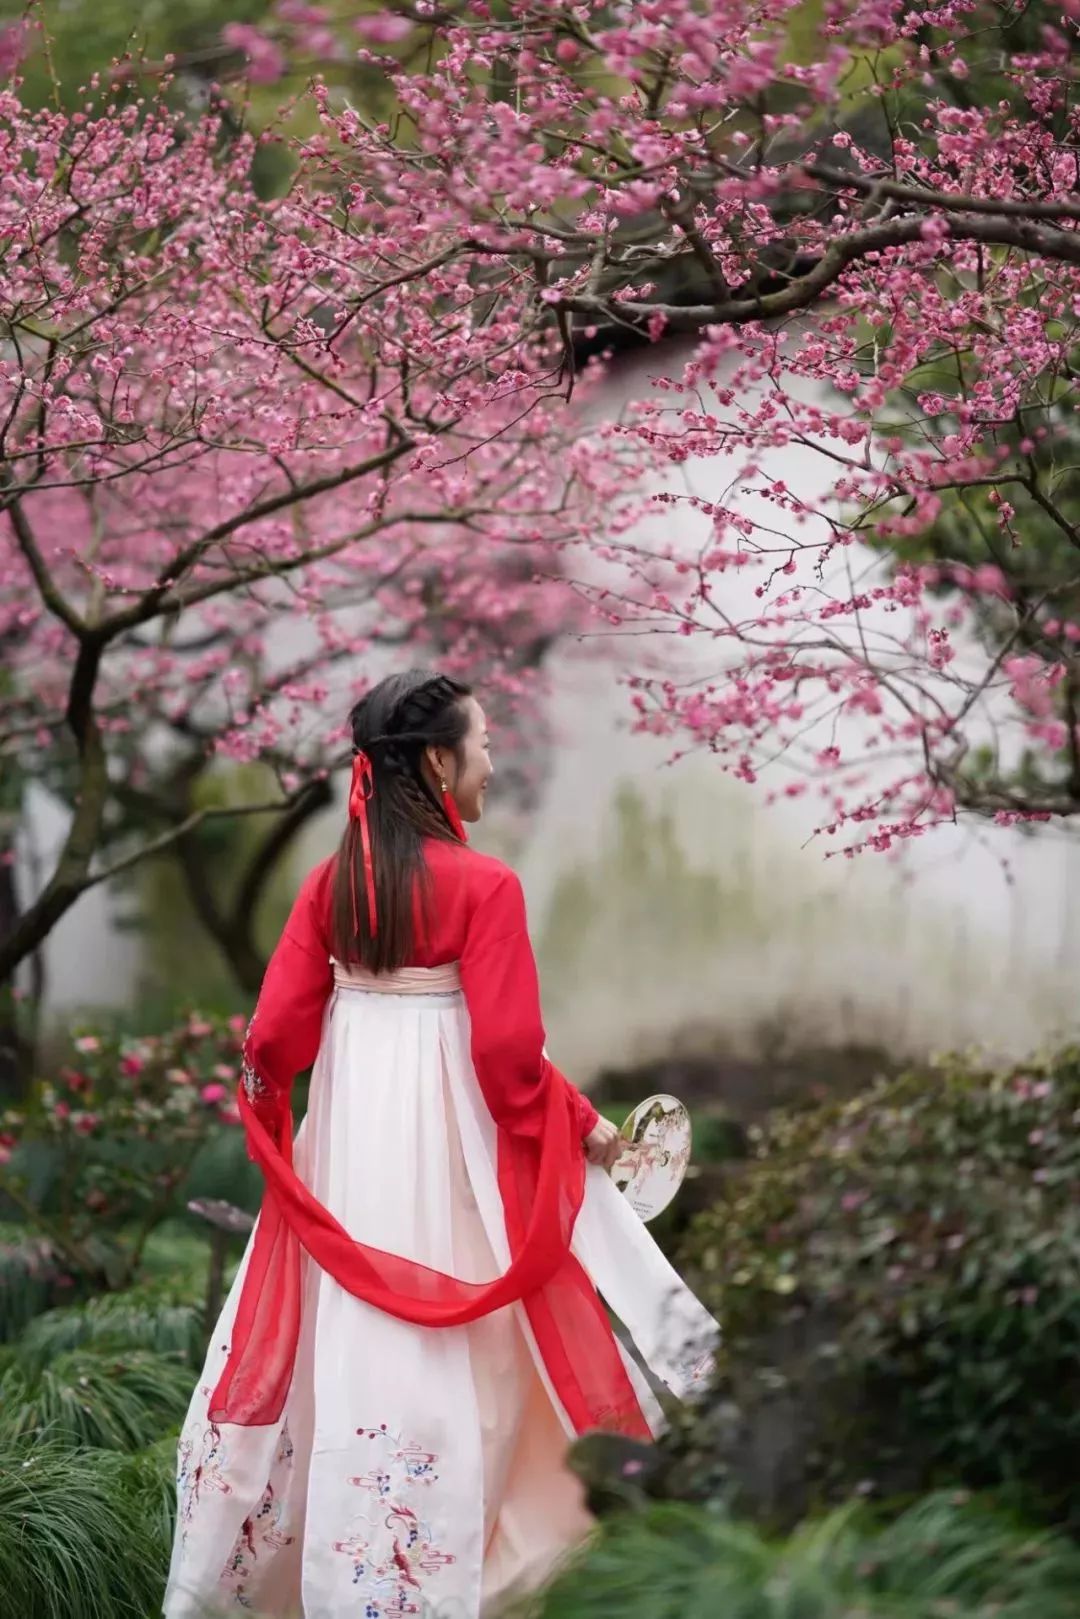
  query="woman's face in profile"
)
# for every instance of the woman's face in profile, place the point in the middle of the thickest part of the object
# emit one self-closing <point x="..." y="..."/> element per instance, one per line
<point x="468" y="780"/>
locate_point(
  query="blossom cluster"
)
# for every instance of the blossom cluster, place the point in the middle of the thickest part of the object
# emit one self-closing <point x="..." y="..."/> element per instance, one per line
<point x="126" y="1115"/>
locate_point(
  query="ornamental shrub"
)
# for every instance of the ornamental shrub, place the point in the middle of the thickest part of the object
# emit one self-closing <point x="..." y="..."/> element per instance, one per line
<point x="111" y="1141"/>
<point x="898" y="1278"/>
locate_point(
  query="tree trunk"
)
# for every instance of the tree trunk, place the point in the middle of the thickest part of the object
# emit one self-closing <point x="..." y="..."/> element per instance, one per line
<point x="15" y="1054"/>
<point x="233" y="927"/>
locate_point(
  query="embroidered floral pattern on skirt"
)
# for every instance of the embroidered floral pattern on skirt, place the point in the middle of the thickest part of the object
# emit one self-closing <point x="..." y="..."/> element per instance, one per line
<point x="198" y="1469"/>
<point x="262" y="1532"/>
<point x="393" y="1549"/>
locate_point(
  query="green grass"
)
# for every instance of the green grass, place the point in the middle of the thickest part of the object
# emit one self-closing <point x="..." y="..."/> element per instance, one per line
<point x="138" y="1319"/>
<point x="945" y="1558"/>
<point x="83" y="1534"/>
<point x="108" y="1399"/>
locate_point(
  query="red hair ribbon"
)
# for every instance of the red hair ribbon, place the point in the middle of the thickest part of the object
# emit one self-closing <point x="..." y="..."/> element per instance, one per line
<point x="363" y="788"/>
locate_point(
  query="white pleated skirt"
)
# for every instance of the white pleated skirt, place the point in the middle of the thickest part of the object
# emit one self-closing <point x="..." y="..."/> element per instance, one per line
<point x="415" y="1470"/>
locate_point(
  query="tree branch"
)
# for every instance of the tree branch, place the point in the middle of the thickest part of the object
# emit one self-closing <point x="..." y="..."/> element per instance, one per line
<point x="233" y="928"/>
<point x="47" y="586"/>
<point x="310" y="799"/>
<point x="808" y="288"/>
<point x="151" y="603"/>
<point x="70" y="875"/>
<point x="949" y="201"/>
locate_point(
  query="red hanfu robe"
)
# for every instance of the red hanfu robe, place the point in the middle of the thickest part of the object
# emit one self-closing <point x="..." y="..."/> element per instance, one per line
<point x="474" y="915"/>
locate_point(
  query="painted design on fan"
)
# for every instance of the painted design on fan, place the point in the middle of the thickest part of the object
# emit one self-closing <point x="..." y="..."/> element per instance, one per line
<point x="657" y="1144"/>
<point x="392" y="1548"/>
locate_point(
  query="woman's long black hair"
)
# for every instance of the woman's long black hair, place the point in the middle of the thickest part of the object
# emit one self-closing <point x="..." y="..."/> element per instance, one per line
<point x="393" y="724"/>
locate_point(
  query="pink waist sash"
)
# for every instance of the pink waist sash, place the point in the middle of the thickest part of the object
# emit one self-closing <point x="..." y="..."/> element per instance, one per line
<point x="444" y="980"/>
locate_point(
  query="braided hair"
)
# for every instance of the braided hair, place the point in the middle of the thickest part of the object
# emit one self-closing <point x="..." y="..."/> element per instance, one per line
<point x="394" y="724"/>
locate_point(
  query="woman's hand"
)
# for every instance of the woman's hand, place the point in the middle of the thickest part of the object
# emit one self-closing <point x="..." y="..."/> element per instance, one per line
<point x="603" y="1144"/>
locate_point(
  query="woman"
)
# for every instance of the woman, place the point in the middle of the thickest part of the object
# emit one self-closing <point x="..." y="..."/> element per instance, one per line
<point x="415" y="1330"/>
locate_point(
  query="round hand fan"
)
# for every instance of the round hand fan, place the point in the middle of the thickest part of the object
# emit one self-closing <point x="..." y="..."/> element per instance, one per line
<point x="652" y="1164"/>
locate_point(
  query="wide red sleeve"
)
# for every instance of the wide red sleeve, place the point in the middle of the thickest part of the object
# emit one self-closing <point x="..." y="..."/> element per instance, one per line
<point x="284" y="1032"/>
<point x="502" y="991"/>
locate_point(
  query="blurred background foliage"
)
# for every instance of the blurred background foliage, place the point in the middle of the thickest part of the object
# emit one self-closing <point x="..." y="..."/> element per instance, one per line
<point x="899" y="1280"/>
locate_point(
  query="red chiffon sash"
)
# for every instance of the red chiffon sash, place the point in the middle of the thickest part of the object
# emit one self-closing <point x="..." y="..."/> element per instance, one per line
<point x="542" y="1184"/>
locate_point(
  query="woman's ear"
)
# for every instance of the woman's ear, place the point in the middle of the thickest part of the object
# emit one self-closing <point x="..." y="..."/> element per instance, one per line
<point x="433" y="760"/>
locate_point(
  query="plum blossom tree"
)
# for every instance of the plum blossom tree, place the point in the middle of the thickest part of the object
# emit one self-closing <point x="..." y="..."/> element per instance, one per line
<point x="227" y="422"/>
<point x="908" y="638"/>
<point x="874" y="239"/>
<point x="221" y="410"/>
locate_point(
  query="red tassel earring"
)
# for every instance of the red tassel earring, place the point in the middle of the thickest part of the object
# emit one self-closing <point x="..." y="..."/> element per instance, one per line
<point x="450" y="810"/>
